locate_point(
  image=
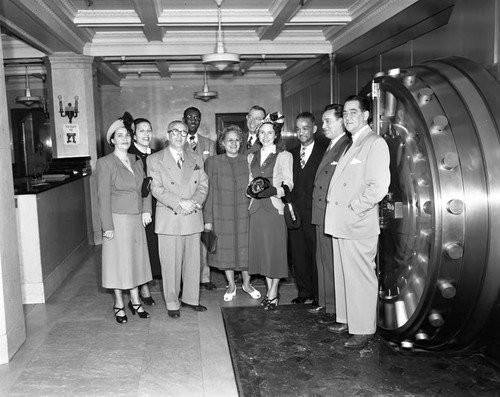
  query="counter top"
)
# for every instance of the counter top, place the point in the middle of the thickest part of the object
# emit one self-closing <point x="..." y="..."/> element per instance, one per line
<point x="29" y="186"/>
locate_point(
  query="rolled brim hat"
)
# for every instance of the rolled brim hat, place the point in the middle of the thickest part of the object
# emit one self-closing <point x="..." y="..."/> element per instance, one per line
<point x="272" y="118"/>
<point x="126" y="121"/>
<point x="112" y="128"/>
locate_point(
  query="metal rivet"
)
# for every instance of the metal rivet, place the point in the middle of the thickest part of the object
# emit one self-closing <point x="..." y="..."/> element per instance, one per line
<point x="424" y="96"/>
<point x="455" y="206"/>
<point x="448" y="291"/>
<point x="454" y="250"/>
<point x="409" y="80"/>
<point x="449" y="161"/>
<point x="427" y="207"/>
<point x="435" y="319"/>
<point x="421" y="335"/>
<point x="438" y="124"/>
<point x="406" y="344"/>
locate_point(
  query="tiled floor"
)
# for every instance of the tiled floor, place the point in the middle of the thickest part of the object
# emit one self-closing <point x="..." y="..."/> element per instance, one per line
<point x="74" y="347"/>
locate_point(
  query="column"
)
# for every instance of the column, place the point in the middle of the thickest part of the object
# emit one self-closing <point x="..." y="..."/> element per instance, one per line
<point x="72" y="87"/>
<point x="12" y="327"/>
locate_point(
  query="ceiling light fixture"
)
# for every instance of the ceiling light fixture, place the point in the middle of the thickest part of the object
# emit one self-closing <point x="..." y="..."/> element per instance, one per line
<point x="220" y="58"/>
<point x="206" y="94"/>
<point x="29" y="99"/>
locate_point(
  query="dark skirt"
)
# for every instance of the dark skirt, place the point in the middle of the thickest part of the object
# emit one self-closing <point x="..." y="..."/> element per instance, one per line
<point x="268" y="244"/>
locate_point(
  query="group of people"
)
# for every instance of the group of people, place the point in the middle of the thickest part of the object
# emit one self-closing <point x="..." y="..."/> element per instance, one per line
<point x="331" y="186"/>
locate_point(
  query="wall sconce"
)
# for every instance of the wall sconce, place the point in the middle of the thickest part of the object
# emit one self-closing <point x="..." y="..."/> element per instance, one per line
<point x="69" y="111"/>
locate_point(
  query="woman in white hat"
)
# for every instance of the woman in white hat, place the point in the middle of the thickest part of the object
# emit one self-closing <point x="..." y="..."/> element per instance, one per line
<point x="124" y="213"/>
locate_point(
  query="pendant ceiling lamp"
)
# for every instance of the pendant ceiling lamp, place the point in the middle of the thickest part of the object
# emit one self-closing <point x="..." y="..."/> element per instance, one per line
<point x="220" y="58"/>
<point x="206" y="94"/>
<point x="28" y="99"/>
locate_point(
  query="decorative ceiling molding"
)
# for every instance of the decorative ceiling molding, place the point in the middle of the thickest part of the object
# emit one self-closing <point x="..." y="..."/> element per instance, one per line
<point x="384" y="10"/>
<point x="52" y="22"/>
<point x="321" y="17"/>
<point x="148" y="16"/>
<point x="282" y="12"/>
<point x="100" y="18"/>
<point x="208" y="17"/>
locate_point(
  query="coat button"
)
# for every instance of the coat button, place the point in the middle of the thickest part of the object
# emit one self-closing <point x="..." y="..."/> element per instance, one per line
<point x="345" y="184"/>
<point x="319" y="199"/>
<point x="321" y="187"/>
<point x="171" y="183"/>
<point x="336" y="203"/>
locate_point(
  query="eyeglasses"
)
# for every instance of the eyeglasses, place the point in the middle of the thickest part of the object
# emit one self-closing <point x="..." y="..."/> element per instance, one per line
<point x="232" y="141"/>
<point x="177" y="132"/>
<point x="194" y="118"/>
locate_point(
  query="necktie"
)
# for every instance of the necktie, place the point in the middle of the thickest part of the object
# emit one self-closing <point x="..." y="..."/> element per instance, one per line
<point x="250" y="141"/>
<point x="329" y="146"/>
<point x="349" y="144"/>
<point x="302" y="157"/>
<point x="180" y="160"/>
<point x="192" y="142"/>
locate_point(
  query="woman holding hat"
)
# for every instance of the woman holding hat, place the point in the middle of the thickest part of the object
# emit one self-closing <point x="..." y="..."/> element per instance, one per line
<point x="271" y="180"/>
<point x="140" y="147"/>
<point x="124" y="213"/>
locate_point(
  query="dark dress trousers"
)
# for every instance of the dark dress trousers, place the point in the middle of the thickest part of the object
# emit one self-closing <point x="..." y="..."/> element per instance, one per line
<point x="324" y="247"/>
<point x="302" y="241"/>
<point x="151" y="236"/>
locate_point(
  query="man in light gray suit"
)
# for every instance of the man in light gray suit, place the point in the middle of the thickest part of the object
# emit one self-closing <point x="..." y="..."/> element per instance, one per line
<point x="360" y="181"/>
<point x="205" y="147"/>
<point x="180" y="185"/>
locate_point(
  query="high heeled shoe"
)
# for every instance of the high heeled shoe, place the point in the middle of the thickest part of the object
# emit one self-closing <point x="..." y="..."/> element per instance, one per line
<point x="120" y="319"/>
<point x="264" y="301"/>
<point x="148" y="300"/>
<point x="135" y="308"/>
<point x="272" y="304"/>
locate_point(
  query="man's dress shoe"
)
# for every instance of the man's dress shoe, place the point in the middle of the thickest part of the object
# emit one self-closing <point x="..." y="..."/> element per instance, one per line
<point x="316" y="309"/>
<point x="174" y="313"/>
<point x="358" y="341"/>
<point x="327" y="319"/>
<point x="196" y="308"/>
<point x="299" y="300"/>
<point x="338" y="328"/>
<point x="208" y="286"/>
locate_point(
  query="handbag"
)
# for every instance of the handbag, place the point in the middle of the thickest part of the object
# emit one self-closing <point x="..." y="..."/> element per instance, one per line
<point x="146" y="186"/>
<point x="292" y="218"/>
<point x="209" y="238"/>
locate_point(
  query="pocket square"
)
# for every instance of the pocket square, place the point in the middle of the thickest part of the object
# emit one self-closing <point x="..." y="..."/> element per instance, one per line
<point x="334" y="162"/>
<point x="355" y="161"/>
<point x="196" y="167"/>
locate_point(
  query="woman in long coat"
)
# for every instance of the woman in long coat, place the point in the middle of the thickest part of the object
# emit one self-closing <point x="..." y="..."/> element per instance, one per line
<point x="141" y="147"/>
<point x="124" y="213"/>
<point x="226" y="211"/>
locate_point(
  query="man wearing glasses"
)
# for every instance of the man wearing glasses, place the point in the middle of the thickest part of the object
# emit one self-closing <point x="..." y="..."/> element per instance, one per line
<point x="180" y="185"/>
<point x="205" y="147"/>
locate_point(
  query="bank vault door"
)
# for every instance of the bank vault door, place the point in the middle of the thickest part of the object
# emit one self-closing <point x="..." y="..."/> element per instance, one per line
<point x="439" y="247"/>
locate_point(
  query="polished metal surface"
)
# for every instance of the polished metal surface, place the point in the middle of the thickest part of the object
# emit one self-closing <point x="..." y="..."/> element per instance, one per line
<point x="439" y="245"/>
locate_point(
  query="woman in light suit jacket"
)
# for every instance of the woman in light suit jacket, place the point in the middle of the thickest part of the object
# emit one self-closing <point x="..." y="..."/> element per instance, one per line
<point x="268" y="231"/>
<point x="124" y="213"/>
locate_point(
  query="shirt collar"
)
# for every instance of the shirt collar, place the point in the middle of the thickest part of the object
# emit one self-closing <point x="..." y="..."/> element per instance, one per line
<point x="356" y="136"/>
<point x="175" y="153"/>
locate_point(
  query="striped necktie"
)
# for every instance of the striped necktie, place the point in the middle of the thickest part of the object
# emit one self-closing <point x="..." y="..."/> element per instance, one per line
<point x="250" y="141"/>
<point x="180" y="160"/>
<point x="302" y="157"/>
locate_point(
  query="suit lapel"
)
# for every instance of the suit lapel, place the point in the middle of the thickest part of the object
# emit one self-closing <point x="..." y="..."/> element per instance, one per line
<point x="349" y="155"/>
<point x="170" y="164"/>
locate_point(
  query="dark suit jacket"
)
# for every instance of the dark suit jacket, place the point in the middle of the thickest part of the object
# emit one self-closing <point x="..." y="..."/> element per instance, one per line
<point x="205" y="147"/>
<point x="303" y="179"/>
<point x="322" y="180"/>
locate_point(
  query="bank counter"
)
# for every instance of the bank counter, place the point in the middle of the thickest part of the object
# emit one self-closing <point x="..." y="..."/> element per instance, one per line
<point x="51" y="215"/>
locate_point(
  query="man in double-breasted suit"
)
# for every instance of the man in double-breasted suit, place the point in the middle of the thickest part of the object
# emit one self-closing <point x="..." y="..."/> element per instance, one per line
<point x="333" y="128"/>
<point x="361" y="179"/>
<point x="302" y="241"/>
<point x="205" y="147"/>
<point x="180" y="185"/>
